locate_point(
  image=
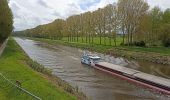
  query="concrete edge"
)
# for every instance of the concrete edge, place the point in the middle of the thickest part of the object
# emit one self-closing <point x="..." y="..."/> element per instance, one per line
<point x="3" y="47"/>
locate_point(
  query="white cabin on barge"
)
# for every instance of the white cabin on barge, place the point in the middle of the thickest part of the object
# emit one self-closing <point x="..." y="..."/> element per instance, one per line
<point x="89" y="59"/>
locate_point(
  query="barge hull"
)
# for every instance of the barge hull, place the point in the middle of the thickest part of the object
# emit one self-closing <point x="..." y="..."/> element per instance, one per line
<point x="153" y="88"/>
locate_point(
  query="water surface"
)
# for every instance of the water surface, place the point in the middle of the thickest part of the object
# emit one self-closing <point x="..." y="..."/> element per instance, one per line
<point x="65" y="63"/>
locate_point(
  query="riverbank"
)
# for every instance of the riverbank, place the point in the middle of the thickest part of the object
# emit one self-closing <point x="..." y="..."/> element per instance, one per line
<point x="158" y="55"/>
<point x="16" y="66"/>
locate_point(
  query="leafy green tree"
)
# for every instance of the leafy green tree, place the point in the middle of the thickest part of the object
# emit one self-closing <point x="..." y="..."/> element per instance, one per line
<point x="156" y="18"/>
<point x="6" y="20"/>
<point x="165" y="36"/>
<point x="165" y="28"/>
<point x="166" y="16"/>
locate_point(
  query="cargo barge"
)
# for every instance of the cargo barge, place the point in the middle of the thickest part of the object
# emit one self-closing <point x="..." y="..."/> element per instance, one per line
<point x="155" y="83"/>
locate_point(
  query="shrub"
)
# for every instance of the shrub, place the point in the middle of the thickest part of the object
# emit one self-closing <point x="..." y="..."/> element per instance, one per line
<point x="140" y="44"/>
<point x="136" y="43"/>
<point x="166" y="42"/>
<point x="122" y="44"/>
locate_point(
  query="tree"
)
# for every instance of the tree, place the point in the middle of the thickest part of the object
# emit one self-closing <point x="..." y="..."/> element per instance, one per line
<point x="156" y="18"/>
<point x="98" y="24"/>
<point x="130" y="12"/>
<point x="144" y="29"/>
<point x="165" y="36"/>
<point x="6" y="20"/>
<point x="111" y="22"/>
<point x="165" y="28"/>
<point x="166" y="16"/>
<point x="57" y="28"/>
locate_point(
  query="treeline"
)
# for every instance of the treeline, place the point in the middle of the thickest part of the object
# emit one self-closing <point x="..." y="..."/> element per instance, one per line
<point x="6" y="20"/>
<point x="131" y="19"/>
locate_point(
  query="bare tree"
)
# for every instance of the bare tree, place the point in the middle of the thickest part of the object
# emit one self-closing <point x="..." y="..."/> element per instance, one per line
<point x="131" y="11"/>
<point x="111" y="22"/>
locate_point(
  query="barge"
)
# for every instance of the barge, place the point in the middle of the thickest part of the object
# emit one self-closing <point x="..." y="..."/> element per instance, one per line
<point x="156" y="83"/>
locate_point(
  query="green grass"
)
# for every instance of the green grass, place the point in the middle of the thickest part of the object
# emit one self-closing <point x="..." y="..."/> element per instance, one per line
<point x="160" y="50"/>
<point x="13" y="66"/>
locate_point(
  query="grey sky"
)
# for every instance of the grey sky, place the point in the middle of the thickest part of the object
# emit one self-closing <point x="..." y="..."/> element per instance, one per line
<point x="30" y="13"/>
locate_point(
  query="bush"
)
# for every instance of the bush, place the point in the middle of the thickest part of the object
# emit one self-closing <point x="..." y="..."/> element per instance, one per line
<point x="122" y="44"/>
<point x="136" y="43"/>
<point x="166" y="43"/>
<point x="140" y="44"/>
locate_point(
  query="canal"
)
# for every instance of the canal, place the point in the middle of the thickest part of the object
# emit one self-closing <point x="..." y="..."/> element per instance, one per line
<point x="65" y="63"/>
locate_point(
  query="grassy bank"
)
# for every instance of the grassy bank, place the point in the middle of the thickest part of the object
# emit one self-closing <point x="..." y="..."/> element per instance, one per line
<point x="14" y="66"/>
<point x="159" y="55"/>
<point x="160" y="50"/>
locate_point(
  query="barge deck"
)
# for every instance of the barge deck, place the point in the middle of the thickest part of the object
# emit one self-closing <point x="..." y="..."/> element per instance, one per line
<point x="150" y="81"/>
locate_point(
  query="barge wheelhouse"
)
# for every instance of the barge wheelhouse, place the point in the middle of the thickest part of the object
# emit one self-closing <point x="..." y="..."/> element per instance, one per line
<point x="90" y="59"/>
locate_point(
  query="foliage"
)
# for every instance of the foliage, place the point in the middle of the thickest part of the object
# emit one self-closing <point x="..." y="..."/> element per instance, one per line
<point x="140" y="43"/>
<point x="165" y="28"/>
<point x="165" y="36"/>
<point x="135" y="43"/>
<point x="130" y="13"/>
<point x="6" y="20"/>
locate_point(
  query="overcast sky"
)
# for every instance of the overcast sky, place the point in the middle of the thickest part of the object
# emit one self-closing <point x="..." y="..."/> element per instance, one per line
<point x="30" y="13"/>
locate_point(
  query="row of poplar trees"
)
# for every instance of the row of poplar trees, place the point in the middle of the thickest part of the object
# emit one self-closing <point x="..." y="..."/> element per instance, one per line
<point x="6" y="20"/>
<point x="132" y="19"/>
